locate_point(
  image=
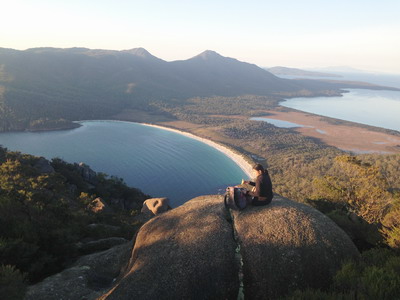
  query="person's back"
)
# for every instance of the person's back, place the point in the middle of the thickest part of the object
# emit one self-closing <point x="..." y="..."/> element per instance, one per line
<point x="262" y="193"/>
<point x="265" y="187"/>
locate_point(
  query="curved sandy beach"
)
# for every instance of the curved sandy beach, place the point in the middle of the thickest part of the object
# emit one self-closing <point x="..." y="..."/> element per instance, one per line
<point x="237" y="158"/>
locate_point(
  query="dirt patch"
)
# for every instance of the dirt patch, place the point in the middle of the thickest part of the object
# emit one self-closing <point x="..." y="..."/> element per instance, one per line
<point x="349" y="138"/>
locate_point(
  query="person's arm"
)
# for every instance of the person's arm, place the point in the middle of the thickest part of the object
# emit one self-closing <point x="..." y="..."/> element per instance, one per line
<point x="256" y="192"/>
<point x="249" y="182"/>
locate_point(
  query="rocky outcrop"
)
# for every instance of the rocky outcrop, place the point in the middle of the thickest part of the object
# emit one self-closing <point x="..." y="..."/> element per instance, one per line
<point x="44" y="166"/>
<point x="87" y="173"/>
<point x="184" y="253"/>
<point x="286" y="246"/>
<point x="87" y="279"/>
<point x="155" y="206"/>
<point x="200" y="250"/>
<point x="98" y="205"/>
<point x="189" y="252"/>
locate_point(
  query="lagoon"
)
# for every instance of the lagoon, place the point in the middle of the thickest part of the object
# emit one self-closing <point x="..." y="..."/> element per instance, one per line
<point x="277" y="123"/>
<point x="378" y="108"/>
<point x="159" y="162"/>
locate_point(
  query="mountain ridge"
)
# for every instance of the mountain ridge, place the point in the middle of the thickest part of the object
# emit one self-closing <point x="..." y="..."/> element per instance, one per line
<point x="279" y="70"/>
<point x="80" y="83"/>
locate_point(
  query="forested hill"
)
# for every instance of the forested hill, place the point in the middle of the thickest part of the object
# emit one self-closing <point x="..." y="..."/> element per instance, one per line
<point x="48" y="85"/>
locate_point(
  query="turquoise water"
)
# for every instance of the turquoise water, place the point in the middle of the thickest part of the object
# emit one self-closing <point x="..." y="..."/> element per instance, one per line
<point x="277" y="123"/>
<point x="159" y="162"/>
<point x="370" y="107"/>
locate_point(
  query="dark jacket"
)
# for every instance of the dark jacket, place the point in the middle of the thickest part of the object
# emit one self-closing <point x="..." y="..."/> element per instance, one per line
<point x="263" y="186"/>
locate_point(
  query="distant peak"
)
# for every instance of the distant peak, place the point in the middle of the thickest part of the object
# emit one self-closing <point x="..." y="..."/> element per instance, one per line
<point x="208" y="54"/>
<point x="140" y="52"/>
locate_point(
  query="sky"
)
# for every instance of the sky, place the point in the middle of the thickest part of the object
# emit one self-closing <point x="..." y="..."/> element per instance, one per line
<point x="292" y="33"/>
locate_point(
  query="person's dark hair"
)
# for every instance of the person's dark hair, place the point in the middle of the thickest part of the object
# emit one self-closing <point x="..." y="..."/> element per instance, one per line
<point x="258" y="167"/>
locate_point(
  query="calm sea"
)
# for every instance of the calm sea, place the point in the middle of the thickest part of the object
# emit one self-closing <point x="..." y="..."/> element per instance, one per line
<point x="159" y="162"/>
<point x="371" y="107"/>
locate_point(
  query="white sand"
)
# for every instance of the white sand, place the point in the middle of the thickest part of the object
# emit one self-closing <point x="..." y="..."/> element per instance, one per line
<point x="237" y="158"/>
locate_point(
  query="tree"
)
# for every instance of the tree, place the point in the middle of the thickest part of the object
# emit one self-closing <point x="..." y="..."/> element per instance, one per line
<point x="359" y="187"/>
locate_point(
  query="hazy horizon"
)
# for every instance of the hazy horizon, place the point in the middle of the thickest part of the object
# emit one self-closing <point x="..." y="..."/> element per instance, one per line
<point x="307" y="34"/>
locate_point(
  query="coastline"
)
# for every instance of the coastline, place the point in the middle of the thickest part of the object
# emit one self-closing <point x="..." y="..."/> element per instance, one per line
<point x="235" y="157"/>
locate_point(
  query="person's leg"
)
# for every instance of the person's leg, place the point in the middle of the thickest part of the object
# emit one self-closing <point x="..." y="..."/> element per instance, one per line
<point x="256" y="202"/>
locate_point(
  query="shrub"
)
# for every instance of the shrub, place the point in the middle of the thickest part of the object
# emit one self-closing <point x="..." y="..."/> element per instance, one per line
<point x="311" y="294"/>
<point x="380" y="283"/>
<point x="391" y="226"/>
<point x="12" y="283"/>
<point x="363" y="234"/>
<point x="375" y="276"/>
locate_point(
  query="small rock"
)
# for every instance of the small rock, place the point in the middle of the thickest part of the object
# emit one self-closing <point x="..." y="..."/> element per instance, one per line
<point x="155" y="206"/>
<point x="98" y="205"/>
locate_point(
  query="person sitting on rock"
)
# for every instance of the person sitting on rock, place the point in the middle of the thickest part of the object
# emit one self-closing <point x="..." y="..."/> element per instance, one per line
<point x="262" y="192"/>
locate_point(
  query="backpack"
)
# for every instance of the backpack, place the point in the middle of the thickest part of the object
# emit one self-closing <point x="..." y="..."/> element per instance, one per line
<point x="235" y="198"/>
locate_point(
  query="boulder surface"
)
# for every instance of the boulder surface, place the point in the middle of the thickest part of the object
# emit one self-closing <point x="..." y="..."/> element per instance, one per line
<point x="88" y="278"/>
<point x="286" y="246"/>
<point x="155" y="206"/>
<point x="189" y="252"/>
<point x="184" y="253"/>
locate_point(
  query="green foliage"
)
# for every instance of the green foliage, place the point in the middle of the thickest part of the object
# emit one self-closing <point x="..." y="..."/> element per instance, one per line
<point x="44" y="215"/>
<point x="375" y="276"/>
<point x="46" y="124"/>
<point x="391" y="226"/>
<point x="12" y="283"/>
<point x="311" y="294"/>
<point x="346" y="279"/>
<point x="358" y="186"/>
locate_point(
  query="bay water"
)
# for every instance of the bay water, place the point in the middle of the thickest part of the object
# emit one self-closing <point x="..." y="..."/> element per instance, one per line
<point x="159" y="162"/>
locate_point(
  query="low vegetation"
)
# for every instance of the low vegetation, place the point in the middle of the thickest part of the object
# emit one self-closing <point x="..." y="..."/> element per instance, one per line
<point x="45" y="214"/>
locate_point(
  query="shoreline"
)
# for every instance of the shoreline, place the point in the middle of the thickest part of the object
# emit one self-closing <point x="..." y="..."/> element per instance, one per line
<point x="238" y="159"/>
<point x="348" y="136"/>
